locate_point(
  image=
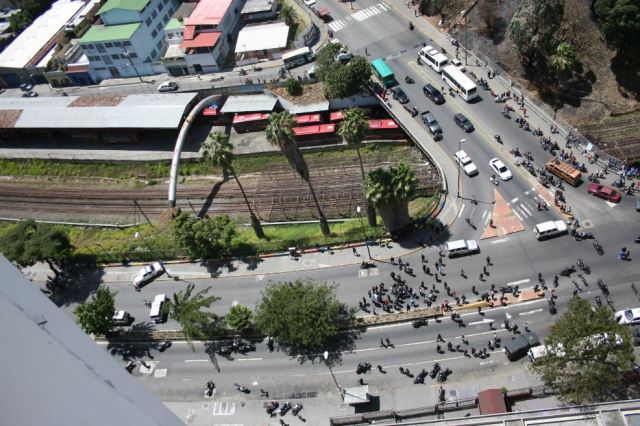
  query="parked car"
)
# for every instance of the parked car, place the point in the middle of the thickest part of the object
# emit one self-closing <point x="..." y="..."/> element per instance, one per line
<point x="431" y="122"/>
<point x="433" y="94"/>
<point x="168" y="86"/>
<point x="122" y="318"/>
<point x="628" y="316"/>
<point x="399" y="94"/>
<point x="146" y="274"/>
<point x="26" y="87"/>
<point x="499" y="167"/>
<point x="604" y="192"/>
<point x="464" y="123"/>
<point x="456" y="62"/>
<point x="29" y="94"/>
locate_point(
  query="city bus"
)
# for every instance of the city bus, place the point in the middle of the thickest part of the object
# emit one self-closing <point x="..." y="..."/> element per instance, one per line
<point x="303" y="120"/>
<point x="459" y="82"/>
<point x="250" y="122"/>
<point x="384" y="129"/>
<point x="297" y="57"/>
<point x="383" y="72"/>
<point x="315" y="135"/>
<point x="433" y="58"/>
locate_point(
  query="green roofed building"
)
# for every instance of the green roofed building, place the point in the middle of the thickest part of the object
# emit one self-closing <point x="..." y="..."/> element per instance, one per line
<point x="129" y="42"/>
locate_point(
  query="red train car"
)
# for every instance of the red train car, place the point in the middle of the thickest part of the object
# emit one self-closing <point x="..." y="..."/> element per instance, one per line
<point x="315" y="135"/>
<point x="250" y="122"/>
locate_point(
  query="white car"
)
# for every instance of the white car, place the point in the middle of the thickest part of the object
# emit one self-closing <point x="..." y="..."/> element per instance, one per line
<point x="499" y="167"/>
<point x="147" y="274"/>
<point x="456" y="62"/>
<point x="122" y="318"/>
<point x="465" y="162"/>
<point x="628" y="316"/>
<point x="168" y="86"/>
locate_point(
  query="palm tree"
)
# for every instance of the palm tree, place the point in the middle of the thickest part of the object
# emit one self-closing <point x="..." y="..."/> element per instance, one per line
<point x="186" y="307"/>
<point x="353" y="130"/>
<point x="217" y="151"/>
<point x="279" y="133"/>
<point x="390" y="191"/>
<point x="287" y="14"/>
<point x="562" y="63"/>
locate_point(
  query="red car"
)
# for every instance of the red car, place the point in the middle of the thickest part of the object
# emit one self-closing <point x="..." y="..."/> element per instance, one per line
<point x="604" y="192"/>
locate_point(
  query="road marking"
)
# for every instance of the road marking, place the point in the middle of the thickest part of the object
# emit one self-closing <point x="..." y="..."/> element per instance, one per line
<point x="484" y="321"/>
<point x="530" y="312"/>
<point x="513" y="201"/>
<point x="610" y="204"/>
<point x="484" y="214"/>
<point x="256" y="359"/>
<point x="501" y="240"/>
<point x="522" y="206"/>
<point x="160" y="373"/>
<point x="517" y="215"/>
<point x="486" y="362"/>
<point x="527" y="192"/>
<point x="197" y="360"/>
<point x="526" y="280"/>
<point x="259" y="277"/>
<point x="461" y="210"/>
<point x="224" y="408"/>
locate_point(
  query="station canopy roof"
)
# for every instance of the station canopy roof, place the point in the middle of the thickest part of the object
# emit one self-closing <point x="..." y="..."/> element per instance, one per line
<point x="152" y="111"/>
<point x="249" y="103"/>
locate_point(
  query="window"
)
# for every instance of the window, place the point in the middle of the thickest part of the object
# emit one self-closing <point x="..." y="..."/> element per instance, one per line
<point x="159" y="26"/>
<point x="126" y="43"/>
<point x="166" y="18"/>
<point x="133" y="55"/>
<point x="107" y="60"/>
<point x="115" y="56"/>
<point x="154" y="14"/>
<point x="148" y="21"/>
<point x="89" y="46"/>
<point x="159" y="45"/>
<point x="100" y="68"/>
<point x="160" y="6"/>
<point x="154" y="33"/>
<point x="101" y="48"/>
<point x="166" y="1"/>
<point x="117" y="43"/>
<point x="95" y="58"/>
<point x="108" y="45"/>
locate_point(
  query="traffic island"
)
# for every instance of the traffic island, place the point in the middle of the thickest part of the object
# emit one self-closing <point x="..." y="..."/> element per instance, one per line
<point x="503" y="220"/>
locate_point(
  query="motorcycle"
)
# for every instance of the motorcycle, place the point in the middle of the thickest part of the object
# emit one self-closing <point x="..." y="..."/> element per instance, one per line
<point x="598" y="301"/>
<point x="296" y="409"/>
<point x="409" y="80"/>
<point x="419" y="323"/>
<point x="552" y="306"/>
<point x="603" y="287"/>
<point x="367" y="264"/>
<point x="637" y="240"/>
<point x="285" y="408"/>
<point x="271" y="407"/>
<point x="598" y="247"/>
<point x="494" y="180"/>
<point x="411" y="26"/>
<point x="209" y="390"/>
<point x="242" y="71"/>
<point x="583" y="266"/>
<point x="435" y="371"/>
<point x="497" y="138"/>
<point x="443" y="375"/>
<point x="363" y="367"/>
<point x="241" y="388"/>
<point x="567" y="271"/>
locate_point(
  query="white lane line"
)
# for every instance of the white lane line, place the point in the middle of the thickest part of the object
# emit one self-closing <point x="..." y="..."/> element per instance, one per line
<point x="527" y="192"/>
<point x="484" y="214"/>
<point x="517" y="215"/>
<point x="461" y="210"/>
<point x="530" y="312"/>
<point x="484" y="321"/>
<point x="298" y="375"/>
<point x="514" y="200"/>
<point x="379" y="327"/>
<point x="522" y="206"/>
<point x="486" y="362"/>
<point x="519" y="282"/>
<point x="197" y="360"/>
<point x="252" y="359"/>
<point x="501" y="240"/>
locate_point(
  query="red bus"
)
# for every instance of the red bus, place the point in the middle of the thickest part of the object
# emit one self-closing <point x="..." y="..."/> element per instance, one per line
<point x="304" y="120"/>
<point x="212" y="115"/>
<point x="315" y="135"/>
<point x="384" y="129"/>
<point x="250" y="122"/>
<point x="336" y="117"/>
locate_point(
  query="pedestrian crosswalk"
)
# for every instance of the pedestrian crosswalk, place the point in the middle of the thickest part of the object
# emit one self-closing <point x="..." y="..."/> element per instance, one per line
<point x="224" y="408"/>
<point x="359" y="16"/>
<point x="524" y="207"/>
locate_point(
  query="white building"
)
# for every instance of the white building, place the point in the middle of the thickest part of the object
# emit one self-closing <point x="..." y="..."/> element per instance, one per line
<point x="257" y="42"/>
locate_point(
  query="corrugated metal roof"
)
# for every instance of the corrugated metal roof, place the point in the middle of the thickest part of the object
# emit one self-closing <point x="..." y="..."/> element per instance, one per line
<point x="154" y="111"/>
<point x="249" y="103"/>
<point x="305" y="109"/>
<point x="102" y="33"/>
<point x="262" y="37"/>
<point x="201" y="40"/>
<point x="209" y="12"/>
<point x="136" y="5"/>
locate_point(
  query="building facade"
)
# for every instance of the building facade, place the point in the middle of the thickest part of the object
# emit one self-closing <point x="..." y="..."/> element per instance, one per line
<point x="130" y="40"/>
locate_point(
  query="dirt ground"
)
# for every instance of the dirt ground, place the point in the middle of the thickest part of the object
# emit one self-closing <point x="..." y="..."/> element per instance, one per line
<point x="595" y="94"/>
<point x="311" y="93"/>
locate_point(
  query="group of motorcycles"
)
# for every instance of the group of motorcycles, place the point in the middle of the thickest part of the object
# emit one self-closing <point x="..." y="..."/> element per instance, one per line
<point x="274" y="408"/>
<point x="237" y="346"/>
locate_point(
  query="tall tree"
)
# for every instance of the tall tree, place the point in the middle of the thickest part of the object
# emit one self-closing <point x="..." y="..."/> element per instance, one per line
<point x="204" y="238"/>
<point x="390" y="192"/>
<point x="620" y="24"/>
<point x="562" y="62"/>
<point x="96" y="316"/>
<point x="279" y="133"/>
<point x="287" y="14"/>
<point x="304" y="314"/>
<point x="353" y="130"/>
<point x="28" y="242"/>
<point x="218" y="151"/>
<point x="590" y="357"/>
<point x="347" y="80"/>
<point x="533" y="28"/>
<point x="186" y="308"/>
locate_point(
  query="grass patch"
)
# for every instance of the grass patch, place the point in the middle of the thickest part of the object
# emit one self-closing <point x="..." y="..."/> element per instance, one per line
<point x="422" y="207"/>
<point x="160" y="169"/>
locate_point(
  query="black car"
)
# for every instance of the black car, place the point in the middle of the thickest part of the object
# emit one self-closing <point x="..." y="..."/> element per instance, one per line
<point x="464" y="123"/>
<point x="399" y="94"/>
<point x="433" y="94"/>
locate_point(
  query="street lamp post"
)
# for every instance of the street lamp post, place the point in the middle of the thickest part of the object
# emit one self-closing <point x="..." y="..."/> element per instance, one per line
<point x="366" y="240"/>
<point x="128" y="56"/>
<point x="459" y="144"/>
<point x="138" y="235"/>
<point x="326" y="358"/>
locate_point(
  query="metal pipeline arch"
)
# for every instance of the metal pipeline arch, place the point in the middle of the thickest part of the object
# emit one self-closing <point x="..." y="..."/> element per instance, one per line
<point x="182" y="136"/>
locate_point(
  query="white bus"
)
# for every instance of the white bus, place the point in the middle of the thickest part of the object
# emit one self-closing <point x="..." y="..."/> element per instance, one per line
<point x="433" y="58"/>
<point x="459" y="82"/>
<point x="297" y="57"/>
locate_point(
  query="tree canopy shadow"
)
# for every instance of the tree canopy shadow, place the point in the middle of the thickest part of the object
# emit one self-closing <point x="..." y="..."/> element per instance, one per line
<point x="627" y="76"/>
<point x="212" y="194"/>
<point x="136" y="344"/>
<point x="345" y="341"/>
<point x="82" y="278"/>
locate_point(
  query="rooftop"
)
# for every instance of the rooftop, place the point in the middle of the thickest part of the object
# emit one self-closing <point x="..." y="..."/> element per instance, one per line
<point x="136" y="5"/>
<point x="249" y="103"/>
<point x="255" y="6"/>
<point x="102" y="33"/>
<point x="173" y="24"/>
<point x="262" y="37"/>
<point x="25" y="49"/>
<point x="154" y="111"/>
<point x="201" y="40"/>
<point x="208" y="12"/>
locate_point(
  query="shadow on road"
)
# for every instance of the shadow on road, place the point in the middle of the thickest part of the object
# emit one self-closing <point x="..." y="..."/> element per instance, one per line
<point x="82" y="278"/>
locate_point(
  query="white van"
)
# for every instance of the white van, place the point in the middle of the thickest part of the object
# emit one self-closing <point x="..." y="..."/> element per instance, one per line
<point x="537" y="352"/>
<point x="550" y="229"/>
<point x="156" y="314"/>
<point x="462" y="247"/>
